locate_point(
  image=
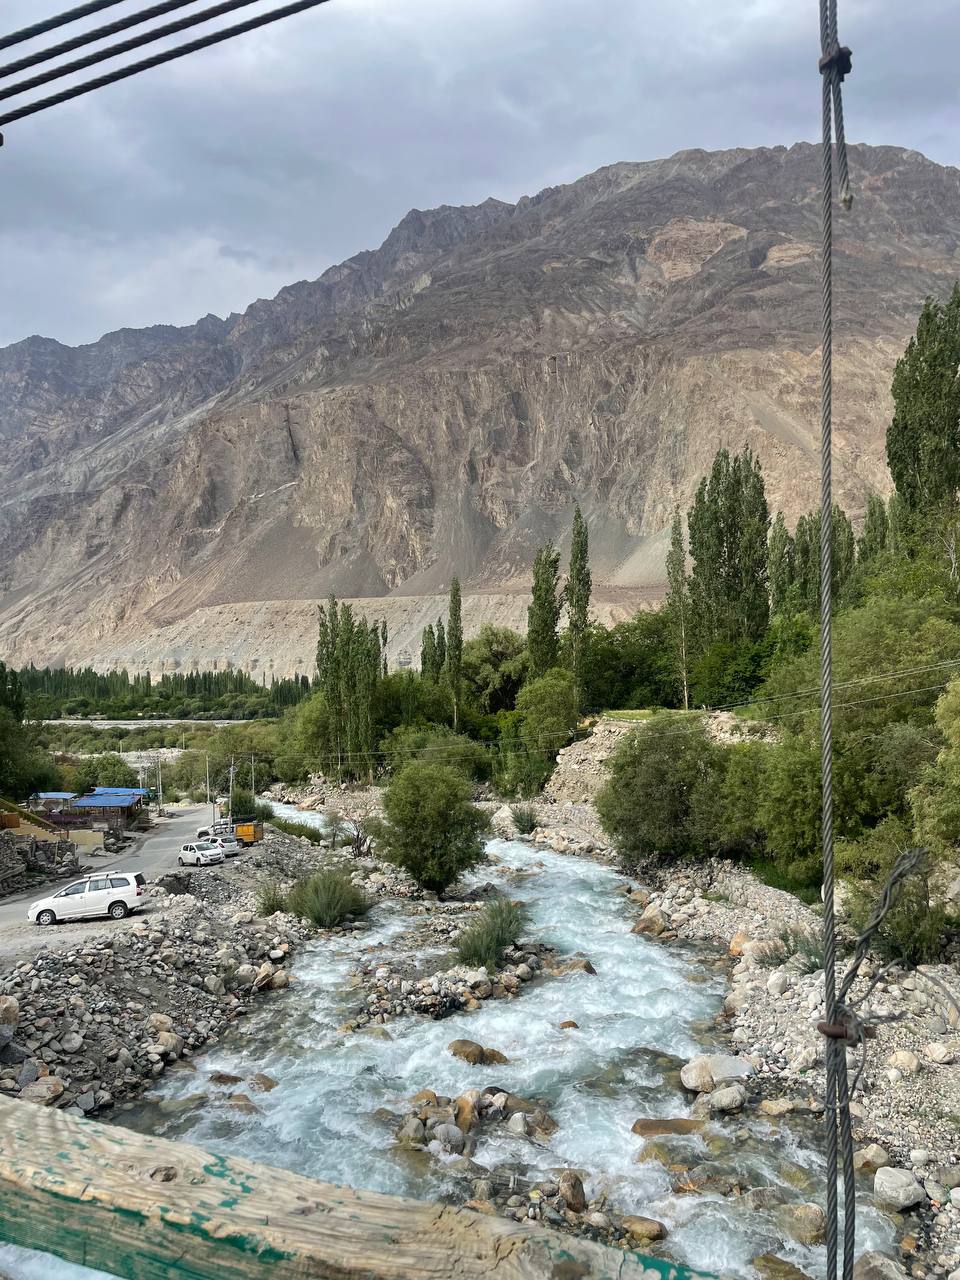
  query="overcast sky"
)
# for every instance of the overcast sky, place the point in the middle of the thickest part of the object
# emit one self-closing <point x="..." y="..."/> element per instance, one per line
<point x="207" y="183"/>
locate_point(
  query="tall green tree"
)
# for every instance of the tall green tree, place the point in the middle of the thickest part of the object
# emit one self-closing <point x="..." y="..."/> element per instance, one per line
<point x="923" y="439"/>
<point x="329" y="659"/>
<point x="873" y="541"/>
<point x="441" y="639"/>
<point x="678" y="603"/>
<point x="543" y="615"/>
<point x="428" y="654"/>
<point x="780" y="566"/>
<point x="455" y="649"/>
<point x="728" y="525"/>
<point x="577" y="594"/>
<point x="431" y="829"/>
<point x="806" y="558"/>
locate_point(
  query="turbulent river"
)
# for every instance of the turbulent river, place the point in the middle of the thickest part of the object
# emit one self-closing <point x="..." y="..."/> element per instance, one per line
<point x="339" y="1096"/>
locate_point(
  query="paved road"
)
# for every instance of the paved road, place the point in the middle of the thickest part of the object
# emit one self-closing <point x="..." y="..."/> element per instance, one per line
<point x="153" y="854"/>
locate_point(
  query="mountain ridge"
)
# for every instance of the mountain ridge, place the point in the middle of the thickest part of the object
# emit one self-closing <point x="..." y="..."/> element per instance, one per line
<point x="437" y="405"/>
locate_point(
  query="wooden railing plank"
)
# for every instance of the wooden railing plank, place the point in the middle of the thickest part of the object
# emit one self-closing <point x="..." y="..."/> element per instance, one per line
<point x="147" y="1208"/>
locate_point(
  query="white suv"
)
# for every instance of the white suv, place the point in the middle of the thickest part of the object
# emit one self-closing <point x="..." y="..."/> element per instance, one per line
<point x="201" y="853"/>
<point x="112" y="893"/>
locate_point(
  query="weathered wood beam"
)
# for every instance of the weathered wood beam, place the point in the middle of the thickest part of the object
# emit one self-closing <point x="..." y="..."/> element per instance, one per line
<point x="149" y="1209"/>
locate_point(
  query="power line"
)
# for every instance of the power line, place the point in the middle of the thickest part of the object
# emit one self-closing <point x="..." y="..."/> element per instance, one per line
<point x="169" y="55"/>
<point x="124" y="46"/>
<point x="51" y="24"/>
<point x="96" y="33"/>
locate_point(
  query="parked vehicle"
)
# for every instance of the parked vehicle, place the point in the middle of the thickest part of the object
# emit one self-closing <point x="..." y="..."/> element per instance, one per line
<point x="229" y="845"/>
<point x="111" y="893"/>
<point x="246" y="833"/>
<point x="200" y="853"/>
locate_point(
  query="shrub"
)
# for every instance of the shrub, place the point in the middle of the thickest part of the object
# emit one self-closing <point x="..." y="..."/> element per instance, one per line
<point x="663" y="795"/>
<point x="436" y="744"/>
<point x="524" y="818"/>
<point x="270" y="898"/>
<point x="326" y="898"/>
<point x="499" y="926"/>
<point x="431" y="829"/>
<point x="797" y="946"/>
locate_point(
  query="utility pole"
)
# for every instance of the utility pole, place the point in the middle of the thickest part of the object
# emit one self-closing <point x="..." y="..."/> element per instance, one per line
<point x="230" y="796"/>
<point x="159" y="787"/>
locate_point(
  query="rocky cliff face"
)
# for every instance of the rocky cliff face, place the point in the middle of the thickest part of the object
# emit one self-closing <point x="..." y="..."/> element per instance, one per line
<point x="438" y="405"/>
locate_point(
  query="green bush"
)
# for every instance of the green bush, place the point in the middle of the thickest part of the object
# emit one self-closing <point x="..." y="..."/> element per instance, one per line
<point x="326" y="898"/>
<point x="914" y="929"/>
<point x="431" y="829"/>
<point x="499" y="926"/>
<point x="663" y="795"/>
<point x="524" y="818"/>
<point x="436" y="744"/>
<point x="270" y="898"/>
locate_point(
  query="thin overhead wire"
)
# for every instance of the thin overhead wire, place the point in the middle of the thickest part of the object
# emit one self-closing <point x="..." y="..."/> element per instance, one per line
<point x="169" y="55"/>
<point x="123" y="46"/>
<point x="92" y="36"/>
<point x="59" y="20"/>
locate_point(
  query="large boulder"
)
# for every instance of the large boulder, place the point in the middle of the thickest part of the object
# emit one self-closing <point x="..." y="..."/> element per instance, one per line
<point x="870" y="1158"/>
<point x="877" y="1266"/>
<point x="905" y="1061"/>
<point x="44" y="1091"/>
<point x="805" y="1223"/>
<point x="711" y="1070"/>
<point x="732" y="1097"/>
<point x="475" y="1054"/>
<point x="642" y="1230"/>
<point x="571" y="1191"/>
<point x="898" y="1188"/>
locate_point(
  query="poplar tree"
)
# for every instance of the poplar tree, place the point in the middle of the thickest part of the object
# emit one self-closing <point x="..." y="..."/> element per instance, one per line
<point x="780" y="566"/>
<point x="873" y="541"/>
<point x="578" y="599"/>
<point x="923" y="439"/>
<point x="329" y="657"/>
<point x="678" y="602"/>
<point x="441" y="637"/>
<point x="383" y="647"/>
<point x="454" y="648"/>
<point x="728" y="525"/>
<point x="428" y="654"/>
<point x="543" y="615"/>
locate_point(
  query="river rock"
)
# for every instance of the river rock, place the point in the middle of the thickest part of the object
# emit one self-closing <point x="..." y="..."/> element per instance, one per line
<point x="465" y="1109"/>
<point x="877" y="1266"/>
<point x="475" y="1054"/>
<point x="159" y="1022"/>
<point x="657" y="1128"/>
<point x="904" y="1061"/>
<point x="224" y="1077"/>
<point x="710" y="1070"/>
<point x="517" y="1123"/>
<point x="214" y="985"/>
<point x="9" y="1011"/>
<point x="571" y="1191"/>
<point x="411" y="1133"/>
<point x="44" y="1091"/>
<point x="737" y="943"/>
<point x="770" y="1267"/>
<point x="939" y="1053"/>
<point x="643" y="1230"/>
<point x="450" y="1137"/>
<point x="72" y="1042"/>
<point x="732" y="1097"/>
<point x="898" y="1188"/>
<point x="245" y="975"/>
<point x="652" y="922"/>
<point x="569" y="1025"/>
<point x="262" y="1083"/>
<point x="805" y="1223"/>
<point x="870" y="1158"/>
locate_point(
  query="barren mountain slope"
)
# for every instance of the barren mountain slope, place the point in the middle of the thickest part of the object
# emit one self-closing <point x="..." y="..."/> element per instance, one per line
<point x="437" y="406"/>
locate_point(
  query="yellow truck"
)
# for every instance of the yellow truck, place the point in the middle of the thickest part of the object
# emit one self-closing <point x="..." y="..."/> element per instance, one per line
<point x="245" y="833"/>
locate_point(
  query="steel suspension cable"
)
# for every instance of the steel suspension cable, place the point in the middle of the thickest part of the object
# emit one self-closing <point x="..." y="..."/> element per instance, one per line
<point x="124" y="46"/>
<point x="835" y="62"/>
<point x="91" y="37"/>
<point x="59" y="20"/>
<point x="169" y="55"/>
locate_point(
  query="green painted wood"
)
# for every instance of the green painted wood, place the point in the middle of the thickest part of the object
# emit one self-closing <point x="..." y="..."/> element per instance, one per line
<point x="146" y="1208"/>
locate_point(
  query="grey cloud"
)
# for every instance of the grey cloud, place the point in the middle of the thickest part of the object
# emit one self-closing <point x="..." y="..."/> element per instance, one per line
<point x="206" y="183"/>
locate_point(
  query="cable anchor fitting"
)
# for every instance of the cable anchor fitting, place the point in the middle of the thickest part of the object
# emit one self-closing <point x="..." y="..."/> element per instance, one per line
<point x="840" y="57"/>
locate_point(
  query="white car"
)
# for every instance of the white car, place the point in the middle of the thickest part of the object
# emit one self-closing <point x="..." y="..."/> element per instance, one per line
<point x="111" y="893"/>
<point x="230" y="846"/>
<point x="201" y="853"/>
